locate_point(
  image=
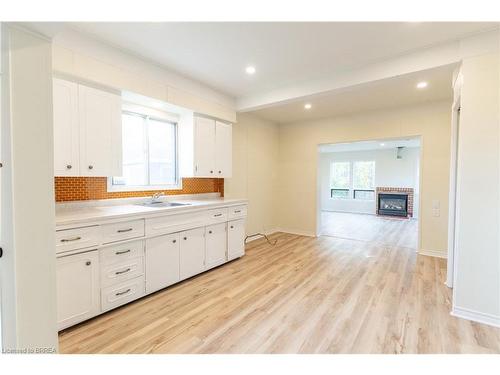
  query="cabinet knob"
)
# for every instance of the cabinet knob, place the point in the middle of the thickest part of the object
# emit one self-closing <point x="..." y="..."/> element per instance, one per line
<point x="209" y="232"/>
<point x="185" y="238"/>
<point x="232" y="227"/>
<point x="174" y="241"/>
<point x="88" y="263"/>
<point x="220" y="172"/>
<point x="211" y="171"/>
<point x="69" y="166"/>
<point x="91" y="167"/>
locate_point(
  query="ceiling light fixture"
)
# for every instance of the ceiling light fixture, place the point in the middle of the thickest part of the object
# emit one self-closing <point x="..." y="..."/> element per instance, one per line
<point x="422" y="85"/>
<point x="307" y="106"/>
<point x="250" y="70"/>
<point x="382" y="144"/>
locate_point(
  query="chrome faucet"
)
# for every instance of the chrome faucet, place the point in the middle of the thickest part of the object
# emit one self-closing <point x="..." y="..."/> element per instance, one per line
<point x="156" y="197"/>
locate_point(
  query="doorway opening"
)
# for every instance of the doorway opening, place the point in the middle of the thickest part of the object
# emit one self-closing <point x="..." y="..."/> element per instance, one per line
<point x="370" y="191"/>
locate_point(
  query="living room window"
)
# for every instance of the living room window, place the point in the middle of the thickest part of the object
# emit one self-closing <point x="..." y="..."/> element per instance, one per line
<point x="150" y="159"/>
<point x="352" y="180"/>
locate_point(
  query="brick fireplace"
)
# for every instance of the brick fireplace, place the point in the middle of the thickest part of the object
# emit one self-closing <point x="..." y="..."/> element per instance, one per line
<point x="403" y="197"/>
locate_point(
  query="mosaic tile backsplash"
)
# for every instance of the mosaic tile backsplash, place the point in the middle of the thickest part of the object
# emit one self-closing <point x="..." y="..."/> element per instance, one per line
<point x="90" y="188"/>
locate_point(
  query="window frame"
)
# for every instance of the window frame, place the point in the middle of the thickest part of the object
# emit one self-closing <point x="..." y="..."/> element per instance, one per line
<point x="350" y="188"/>
<point x="148" y="114"/>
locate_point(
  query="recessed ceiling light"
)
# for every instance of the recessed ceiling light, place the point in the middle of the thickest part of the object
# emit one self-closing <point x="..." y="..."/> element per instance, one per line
<point x="250" y="70"/>
<point x="382" y="144"/>
<point x="422" y="85"/>
<point x="307" y="106"/>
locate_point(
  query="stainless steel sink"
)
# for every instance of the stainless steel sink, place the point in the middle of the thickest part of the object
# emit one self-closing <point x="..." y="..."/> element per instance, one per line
<point x="163" y="204"/>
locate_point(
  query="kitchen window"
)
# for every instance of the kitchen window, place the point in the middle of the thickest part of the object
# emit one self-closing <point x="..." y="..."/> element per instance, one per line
<point x="352" y="180"/>
<point x="150" y="157"/>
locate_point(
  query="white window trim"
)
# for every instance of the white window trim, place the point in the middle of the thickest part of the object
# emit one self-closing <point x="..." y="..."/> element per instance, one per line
<point x="351" y="181"/>
<point x="158" y="115"/>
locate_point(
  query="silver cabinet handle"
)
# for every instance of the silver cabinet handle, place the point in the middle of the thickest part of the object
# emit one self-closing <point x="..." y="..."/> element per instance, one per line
<point x="237" y="212"/>
<point x="69" y="166"/>
<point x="124" y="230"/>
<point x="217" y="215"/>
<point x="71" y="239"/>
<point x="122" y="293"/>
<point x="91" y="167"/>
<point x="122" y="252"/>
<point x="122" y="272"/>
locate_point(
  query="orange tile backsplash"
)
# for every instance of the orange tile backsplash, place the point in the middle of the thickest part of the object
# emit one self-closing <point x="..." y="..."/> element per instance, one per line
<point x="90" y="188"/>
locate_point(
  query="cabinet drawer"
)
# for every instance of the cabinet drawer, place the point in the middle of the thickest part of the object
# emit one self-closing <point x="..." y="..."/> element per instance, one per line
<point x="120" y="253"/>
<point x="122" y="231"/>
<point x="122" y="293"/>
<point x="217" y="215"/>
<point x="118" y="272"/>
<point x="237" y="212"/>
<point x="175" y="223"/>
<point x="79" y="238"/>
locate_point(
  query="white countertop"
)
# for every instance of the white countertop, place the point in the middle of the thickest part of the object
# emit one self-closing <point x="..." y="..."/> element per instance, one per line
<point x="71" y="215"/>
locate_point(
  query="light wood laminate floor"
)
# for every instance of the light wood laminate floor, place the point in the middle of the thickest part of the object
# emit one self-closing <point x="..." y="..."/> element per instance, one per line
<point x="305" y="295"/>
<point x="363" y="227"/>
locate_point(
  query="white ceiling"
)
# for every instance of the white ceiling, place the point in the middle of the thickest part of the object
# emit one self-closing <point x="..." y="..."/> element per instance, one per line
<point x="394" y="92"/>
<point x="283" y="53"/>
<point x="370" y="145"/>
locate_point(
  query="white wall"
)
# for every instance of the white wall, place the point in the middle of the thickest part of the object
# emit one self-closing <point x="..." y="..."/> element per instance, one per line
<point x="389" y="172"/>
<point x="28" y="266"/>
<point x="255" y="171"/>
<point x="87" y="59"/>
<point x="298" y="162"/>
<point x="477" y="254"/>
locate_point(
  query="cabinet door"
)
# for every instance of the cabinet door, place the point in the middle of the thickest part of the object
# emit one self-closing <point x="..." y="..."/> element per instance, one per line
<point x="77" y="288"/>
<point x="204" y="147"/>
<point x="192" y="252"/>
<point x="162" y="262"/>
<point x="216" y="244"/>
<point x="66" y="131"/>
<point x="235" y="239"/>
<point x="100" y="132"/>
<point x="223" y="149"/>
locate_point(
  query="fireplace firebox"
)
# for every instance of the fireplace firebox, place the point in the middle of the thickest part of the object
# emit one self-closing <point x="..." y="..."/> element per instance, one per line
<point x="393" y="204"/>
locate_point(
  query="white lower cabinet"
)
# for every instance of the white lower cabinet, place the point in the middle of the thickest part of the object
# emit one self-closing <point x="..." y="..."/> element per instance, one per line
<point x="235" y="239"/>
<point x="162" y="262"/>
<point x="77" y="288"/>
<point x="192" y="252"/>
<point x="215" y="245"/>
<point x="122" y="268"/>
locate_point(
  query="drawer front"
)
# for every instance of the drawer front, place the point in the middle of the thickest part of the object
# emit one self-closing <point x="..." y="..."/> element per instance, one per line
<point x="217" y="216"/>
<point x="119" y="253"/>
<point x="122" y="231"/>
<point x="121" y="294"/>
<point x="237" y="212"/>
<point x="175" y="223"/>
<point x="116" y="273"/>
<point x="79" y="238"/>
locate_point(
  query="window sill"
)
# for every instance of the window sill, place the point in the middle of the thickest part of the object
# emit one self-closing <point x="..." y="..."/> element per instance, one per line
<point x="124" y="188"/>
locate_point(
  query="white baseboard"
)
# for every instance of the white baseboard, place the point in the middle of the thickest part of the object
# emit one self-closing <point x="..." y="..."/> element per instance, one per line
<point x="433" y="253"/>
<point x="475" y="316"/>
<point x="297" y="232"/>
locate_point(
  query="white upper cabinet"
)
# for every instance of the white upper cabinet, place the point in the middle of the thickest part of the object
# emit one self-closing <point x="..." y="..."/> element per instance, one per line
<point x="223" y="149"/>
<point x="100" y="132"/>
<point x="66" y="129"/>
<point x="205" y="147"/>
<point x="87" y="131"/>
